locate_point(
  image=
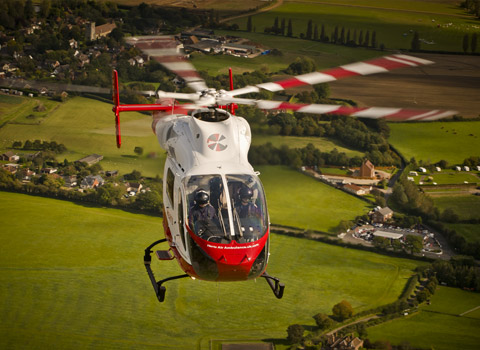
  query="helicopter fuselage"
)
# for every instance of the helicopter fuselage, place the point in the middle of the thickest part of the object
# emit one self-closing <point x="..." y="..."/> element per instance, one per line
<point x="207" y="151"/>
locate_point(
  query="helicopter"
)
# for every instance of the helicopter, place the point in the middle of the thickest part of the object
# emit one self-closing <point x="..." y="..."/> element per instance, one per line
<point x="216" y="221"/>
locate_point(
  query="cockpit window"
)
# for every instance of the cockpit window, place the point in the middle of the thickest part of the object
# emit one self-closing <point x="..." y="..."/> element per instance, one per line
<point x="249" y="207"/>
<point x="208" y="212"/>
<point x="222" y="209"/>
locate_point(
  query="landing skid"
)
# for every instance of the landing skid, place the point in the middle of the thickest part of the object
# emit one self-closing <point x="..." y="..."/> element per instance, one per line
<point x="162" y="255"/>
<point x="273" y="282"/>
<point x="275" y="285"/>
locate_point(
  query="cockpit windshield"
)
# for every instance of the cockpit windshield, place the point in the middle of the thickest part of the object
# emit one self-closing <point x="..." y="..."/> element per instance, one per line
<point x="222" y="209"/>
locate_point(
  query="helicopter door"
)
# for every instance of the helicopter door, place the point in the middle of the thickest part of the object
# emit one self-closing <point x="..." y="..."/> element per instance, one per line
<point x="180" y="221"/>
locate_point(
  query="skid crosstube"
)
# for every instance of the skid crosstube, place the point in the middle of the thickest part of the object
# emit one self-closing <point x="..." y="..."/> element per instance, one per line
<point x="273" y="282"/>
<point x="157" y="286"/>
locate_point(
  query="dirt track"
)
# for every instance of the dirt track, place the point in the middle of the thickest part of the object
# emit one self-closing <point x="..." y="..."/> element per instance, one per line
<point x="453" y="82"/>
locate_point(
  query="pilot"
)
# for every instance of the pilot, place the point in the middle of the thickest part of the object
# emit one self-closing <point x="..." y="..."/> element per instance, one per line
<point x="202" y="209"/>
<point x="246" y="208"/>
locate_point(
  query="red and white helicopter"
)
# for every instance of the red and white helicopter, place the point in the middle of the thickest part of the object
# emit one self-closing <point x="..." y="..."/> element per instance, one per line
<point x="215" y="212"/>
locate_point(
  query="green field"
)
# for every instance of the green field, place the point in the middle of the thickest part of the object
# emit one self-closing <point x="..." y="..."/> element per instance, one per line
<point x="467" y="207"/>
<point x="394" y="22"/>
<point x="87" y="126"/>
<point x="324" y="55"/>
<point x="434" y="141"/>
<point x="450" y="177"/>
<point x="322" y="143"/>
<point x="72" y="277"/>
<point x="437" y="325"/>
<point x="471" y="232"/>
<point x="300" y="201"/>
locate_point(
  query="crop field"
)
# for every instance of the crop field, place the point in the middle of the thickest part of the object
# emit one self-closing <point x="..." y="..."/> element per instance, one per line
<point x="467" y="207"/>
<point x="434" y="141"/>
<point x="394" y="25"/>
<point x="300" y="201"/>
<point x="438" y="325"/>
<point x="322" y="143"/>
<point x="72" y="277"/>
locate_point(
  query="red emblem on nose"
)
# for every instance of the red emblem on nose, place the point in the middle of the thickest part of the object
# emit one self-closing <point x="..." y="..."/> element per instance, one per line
<point x="214" y="142"/>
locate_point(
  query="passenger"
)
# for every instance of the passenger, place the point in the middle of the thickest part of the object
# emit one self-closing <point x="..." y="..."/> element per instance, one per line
<point x="202" y="210"/>
<point x="246" y="208"/>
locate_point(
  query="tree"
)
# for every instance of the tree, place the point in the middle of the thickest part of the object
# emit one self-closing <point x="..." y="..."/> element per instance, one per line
<point x="473" y="45"/>
<point x="465" y="43"/>
<point x="342" y="310"/>
<point x="309" y="32"/>
<point x="323" y="321"/>
<point x="374" y="39"/>
<point x="282" y="26"/>
<point x="414" y="243"/>
<point x="415" y="42"/>
<point x="138" y="150"/>
<point x="249" y="24"/>
<point x="295" y="333"/>
<point x="289" y="30"/>
<point x="315" y="32"/>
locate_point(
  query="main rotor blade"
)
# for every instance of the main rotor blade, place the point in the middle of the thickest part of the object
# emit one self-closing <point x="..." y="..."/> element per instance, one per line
<point x="376" y="65"/>
<point x="164" y="50"/>
<point x="394" y="114"/>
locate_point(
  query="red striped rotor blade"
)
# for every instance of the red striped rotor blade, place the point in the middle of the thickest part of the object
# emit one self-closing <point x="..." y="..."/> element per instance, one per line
<point x="164" y="49"/>
<point x="376" y="65"/>
<point x="393" y="114"/>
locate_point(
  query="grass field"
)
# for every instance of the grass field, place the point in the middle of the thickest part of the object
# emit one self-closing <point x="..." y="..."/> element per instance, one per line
<point x="72" y="277"/>
<point x="471" y="232"/>
<point x="300" y="201"/>
<point x="324" y="55"/>
<point x="467" y="207"/>
<point x="432" y="142"/>
<point x="442" y="28"/>
<point x="322" y="143"/>
<point x="87" y="126"/>
<point x="437" y="325"/>
<point x="450" y="177"/>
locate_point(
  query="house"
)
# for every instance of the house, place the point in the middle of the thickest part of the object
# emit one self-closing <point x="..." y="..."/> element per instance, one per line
<point x="348" y="342"/>
<point x="111" y="173"/>
<point x="422" y="170"/>
<point x="133" y="188"/>
<point x="92" y="181"/>
<point x="25" y="174"/>
<point x="382" y="215"/>
<point x="367" y="170"/>
<point x="355" y="189"/>
<point x="11" y="168"/>
<point x="48" y="170"/>
<point x="70" y="180"/>
<point x="91" y="159"/>
<point x="9" y="156"/>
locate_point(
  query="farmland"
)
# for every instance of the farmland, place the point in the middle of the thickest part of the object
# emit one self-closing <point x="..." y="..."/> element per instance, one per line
<point x="466" y="207"/>
<point x="300" y="201"/>
<point x="394" y="25"/>
<point x="74" y="279"/>
<point x="432" y="142"/>
<point x="441" y="325"/>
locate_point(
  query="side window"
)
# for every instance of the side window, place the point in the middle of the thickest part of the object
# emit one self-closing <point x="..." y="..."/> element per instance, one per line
<point x="170" y="181"/>
<point x="181" y="225"/>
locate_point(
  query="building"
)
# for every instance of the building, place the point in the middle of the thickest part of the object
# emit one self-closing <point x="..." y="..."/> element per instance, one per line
<point x="348" y="342"/>
<point x="9" y="156"/>
<point x="92" y="181"/>
<point x="93" y="33"/>
<point x="70" y="180"/>
<point x="382" y="215"/>
<point x="91" y="159"/>
<point x="355" y="189"/>
<point x="367" y="170"/>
